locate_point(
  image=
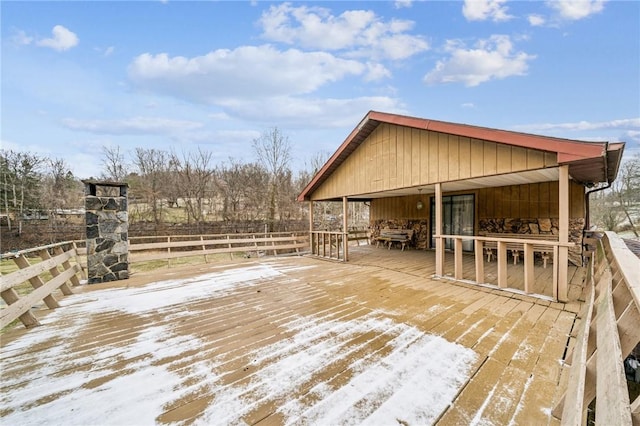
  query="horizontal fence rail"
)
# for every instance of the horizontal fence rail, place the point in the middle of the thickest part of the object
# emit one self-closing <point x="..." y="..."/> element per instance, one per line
<point x="40" y="280"/>
<point x="609" y="329"/>
<point x="142" y="249"/>
<point x="527" y="247"/>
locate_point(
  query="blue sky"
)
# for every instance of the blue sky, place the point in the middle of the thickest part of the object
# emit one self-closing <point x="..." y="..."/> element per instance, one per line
<point x="77" y="76"/>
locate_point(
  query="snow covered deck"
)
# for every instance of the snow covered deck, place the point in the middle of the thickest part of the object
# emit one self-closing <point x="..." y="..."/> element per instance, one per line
<point x="290" y="340"/>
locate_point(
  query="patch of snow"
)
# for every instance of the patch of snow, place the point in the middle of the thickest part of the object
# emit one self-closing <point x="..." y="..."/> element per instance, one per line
<point x="407" y="375"/>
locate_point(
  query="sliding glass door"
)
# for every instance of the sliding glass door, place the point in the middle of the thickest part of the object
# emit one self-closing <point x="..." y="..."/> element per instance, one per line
<point x="457" y="219"/>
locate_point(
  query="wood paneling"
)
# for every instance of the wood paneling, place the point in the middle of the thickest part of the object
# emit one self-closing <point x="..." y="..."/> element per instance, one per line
<point x="529" y="201"/>
<point x="398" y="157"/>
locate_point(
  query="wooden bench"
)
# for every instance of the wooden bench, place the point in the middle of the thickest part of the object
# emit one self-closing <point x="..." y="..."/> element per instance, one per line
<point x="388" y="237"/>
<point x="516" y="247"/>
<point x="359" y="234"/>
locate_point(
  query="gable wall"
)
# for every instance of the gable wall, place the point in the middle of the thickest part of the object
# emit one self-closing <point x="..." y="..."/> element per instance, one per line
<point x="398" y="157"/>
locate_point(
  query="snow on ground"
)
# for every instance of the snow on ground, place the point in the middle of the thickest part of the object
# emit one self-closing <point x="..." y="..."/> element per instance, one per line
<point x="411" y="380"/>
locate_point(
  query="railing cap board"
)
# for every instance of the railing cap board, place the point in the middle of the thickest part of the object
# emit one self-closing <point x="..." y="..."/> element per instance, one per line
<point x="627" y="262"/>
<point x="192" y="236"/>
<point x="14" y="254"/>
<point x="541" y="241"/>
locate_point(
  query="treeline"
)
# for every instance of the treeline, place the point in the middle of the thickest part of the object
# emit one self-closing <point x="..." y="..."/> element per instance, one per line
<point x="169" y="187"/>
<point x="617" y="208"/>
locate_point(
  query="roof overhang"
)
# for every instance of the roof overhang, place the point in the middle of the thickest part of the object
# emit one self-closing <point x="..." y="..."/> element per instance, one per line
<point x="589" y="162"/>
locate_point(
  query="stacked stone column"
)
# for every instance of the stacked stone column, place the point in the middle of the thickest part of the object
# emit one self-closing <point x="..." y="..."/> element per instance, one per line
<point x="107" y="225"/>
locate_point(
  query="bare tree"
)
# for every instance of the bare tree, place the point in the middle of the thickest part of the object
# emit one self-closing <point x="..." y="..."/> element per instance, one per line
<point x="273" y="151"/>
<point x="114" y="165"/>
<point x="61" y="191"/>
<point x="153" y="168"/>
<point x="195" y="179"/>
<point x="21" y="184"/>
<point x="626" y="190"/>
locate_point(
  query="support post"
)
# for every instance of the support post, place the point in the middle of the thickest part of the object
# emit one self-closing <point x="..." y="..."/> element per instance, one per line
<point x="479" y="252"/>
<point x="458" y="259"/>
<point x="438" y="238"/>
<point x="563" y="233"/>
<point x="345" y="229"/>
<point x="311" y="245"/>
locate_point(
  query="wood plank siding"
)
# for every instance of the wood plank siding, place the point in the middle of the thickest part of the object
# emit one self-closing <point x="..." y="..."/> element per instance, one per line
<point x="394" y="157"/>
<point x="534" y="200"/>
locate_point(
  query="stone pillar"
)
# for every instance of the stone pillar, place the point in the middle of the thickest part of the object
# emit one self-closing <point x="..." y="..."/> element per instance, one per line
<point x="107" y="224"/>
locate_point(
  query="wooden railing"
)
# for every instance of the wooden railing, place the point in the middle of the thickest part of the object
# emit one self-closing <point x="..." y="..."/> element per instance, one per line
<point x="52" y="273"/>
<point x="528" y="247"/>
<point x="328" y="244"/>
<point x="609" y="329"/>
<point x="142" y="249"/>
<point x="359" y="235"/>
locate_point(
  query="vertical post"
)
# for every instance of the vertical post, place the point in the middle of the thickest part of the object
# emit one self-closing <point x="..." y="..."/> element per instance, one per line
<point x="439" y="242"/>
<point x="479" y="247"/>
<point x="458" y="258"/>
<point x="502" y="263"/>
<point x="345" y="229"/>
<point x="563" y="233"/>
<point x="529" y="277"/>
<point x="313" y="251"/>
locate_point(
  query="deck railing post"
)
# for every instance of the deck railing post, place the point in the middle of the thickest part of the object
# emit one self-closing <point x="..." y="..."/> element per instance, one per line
<point x="502" y="264"/>
<point x="479" y="260"/>
<point x="438" y="226"/>
<point x="458" y="258"/>
<point x="529" y="276"/>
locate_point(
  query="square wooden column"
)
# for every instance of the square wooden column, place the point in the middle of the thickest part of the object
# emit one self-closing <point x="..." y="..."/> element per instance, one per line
<point x="311" y="242"/>
<point x="439" y="241"/>
<point x="563" y="233"/>
<point x="345" y="229"/>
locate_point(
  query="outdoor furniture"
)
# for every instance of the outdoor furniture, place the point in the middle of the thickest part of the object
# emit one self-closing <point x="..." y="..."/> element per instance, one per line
<point x="388" y="237"/>
<point x="516" y="247"/>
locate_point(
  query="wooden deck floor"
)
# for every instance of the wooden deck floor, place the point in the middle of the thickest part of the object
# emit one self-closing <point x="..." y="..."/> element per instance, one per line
<point x="290" y="340"/>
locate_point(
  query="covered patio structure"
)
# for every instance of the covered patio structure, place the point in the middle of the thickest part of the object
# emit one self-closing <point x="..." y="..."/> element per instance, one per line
<point x="467" y="190"/>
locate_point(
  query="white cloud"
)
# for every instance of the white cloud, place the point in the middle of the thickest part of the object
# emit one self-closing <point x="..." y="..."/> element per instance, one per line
<point x="136" y="125"/>
<point x="317" y="113"/>
<point x="245" y="72"/>
<point x="536" y="20"/>
<point x="62" y="39"/>
<point x="399" y="4"/>
<point x="468" y="105"/>
<point x="621" y="124"/>
<point x="219" y="116"/>
<point x="20" y="38"/>
<point x="491" y="59"/>
<point x="358" y="33"/>
<point x="376" y="72"/>
<point x="481" y="10"/>
<point x="576" y="9"/>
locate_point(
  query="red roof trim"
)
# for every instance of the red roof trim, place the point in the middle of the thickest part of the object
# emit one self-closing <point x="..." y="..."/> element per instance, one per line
<point x="567" y="150"/>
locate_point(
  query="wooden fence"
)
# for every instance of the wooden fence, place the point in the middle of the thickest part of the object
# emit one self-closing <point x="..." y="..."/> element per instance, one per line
<point x="142" y="249"/>
<point x="609" y="329"/>
<point x="52" y="273"/>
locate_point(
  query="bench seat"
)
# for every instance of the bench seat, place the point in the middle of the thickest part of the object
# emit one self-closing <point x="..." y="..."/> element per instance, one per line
<point x="388" y="237"/>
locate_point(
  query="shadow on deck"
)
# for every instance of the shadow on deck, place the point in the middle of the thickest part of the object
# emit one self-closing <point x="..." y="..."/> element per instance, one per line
<point x="290" y="340"/>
